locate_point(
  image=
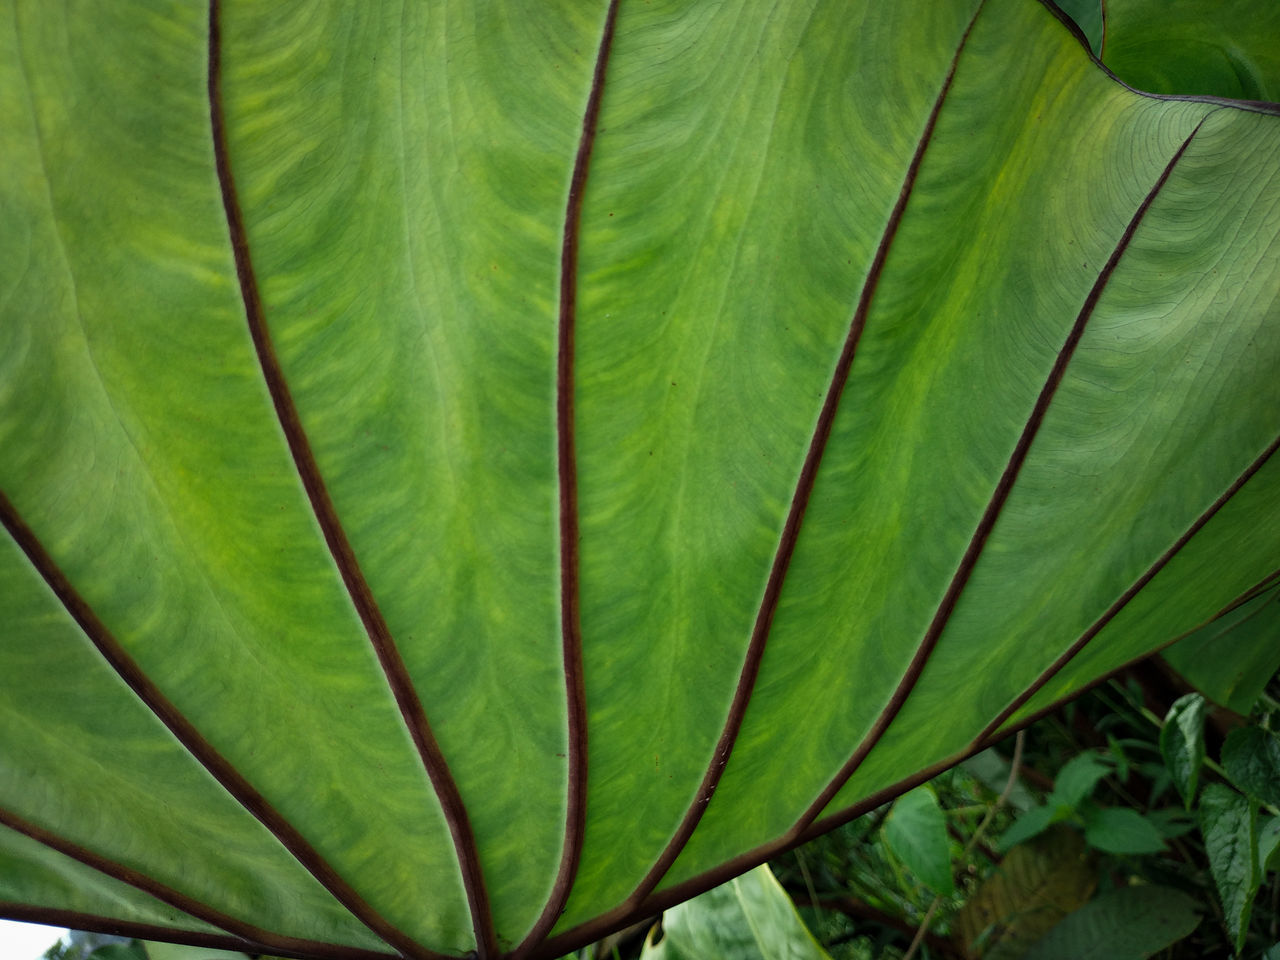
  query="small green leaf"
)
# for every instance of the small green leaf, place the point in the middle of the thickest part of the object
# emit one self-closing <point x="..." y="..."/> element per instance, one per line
<point x="1126" y="924"/>
<point x="1182" y="744"/>
<point x="916" y="831"/>
<point x="1077" y="779"/>
<point x="1252" y="758"/>
<point x="748" y="918"/>
<point x="1120" y="830"/>
<point x="1229" y="823"/>
<point x="1030" y="824"/>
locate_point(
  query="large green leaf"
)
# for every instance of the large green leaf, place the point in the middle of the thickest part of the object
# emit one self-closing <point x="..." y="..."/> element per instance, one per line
<point x="1251" y="756"/>
<point x="474" y="476"/>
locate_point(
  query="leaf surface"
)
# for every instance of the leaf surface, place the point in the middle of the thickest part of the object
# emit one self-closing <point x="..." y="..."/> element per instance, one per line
<point x="1229" y="823"/>
<point x="1231" y="659"/>
<point x="475" y="476"/>
<point x="1251" y="756"/>
<point x="1120" y="830"/>
<point x="916" y="831"/>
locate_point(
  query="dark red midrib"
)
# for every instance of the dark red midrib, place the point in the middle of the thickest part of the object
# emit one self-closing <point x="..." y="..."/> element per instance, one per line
<point x="567" y="469"/>
<point x="186" y="733"/>
<point x="995" y="505"/>
<point x="991" y="729"/>
<point x="251" y="936"/>
<point x="362" y="598"/>
<point x="599" y="927"/>
<point x="1265" y="585"/>
<point x="799" y="503"/>
<point x="1261" y="588"/>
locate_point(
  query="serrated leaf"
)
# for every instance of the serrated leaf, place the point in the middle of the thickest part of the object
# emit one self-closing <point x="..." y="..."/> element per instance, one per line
<point x="916" y="831"/>
<point x="1120" y="830"/>
<point x="1182" y="744"/>
<point x="748" y="918"/>
<point x="1075" y="782"/>
<point x="1129" y="923"/>
<point x="1251" y="756"/>
<point x="1229" y="824"/>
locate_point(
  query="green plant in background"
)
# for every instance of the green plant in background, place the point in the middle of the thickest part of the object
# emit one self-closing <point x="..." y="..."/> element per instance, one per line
<point x="1110" y="829"/>
<point x="916" y="831"/>
<point x="1122" y="871"/>
<point x="476" y="476"/>
<point x="1241" y="847"/>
